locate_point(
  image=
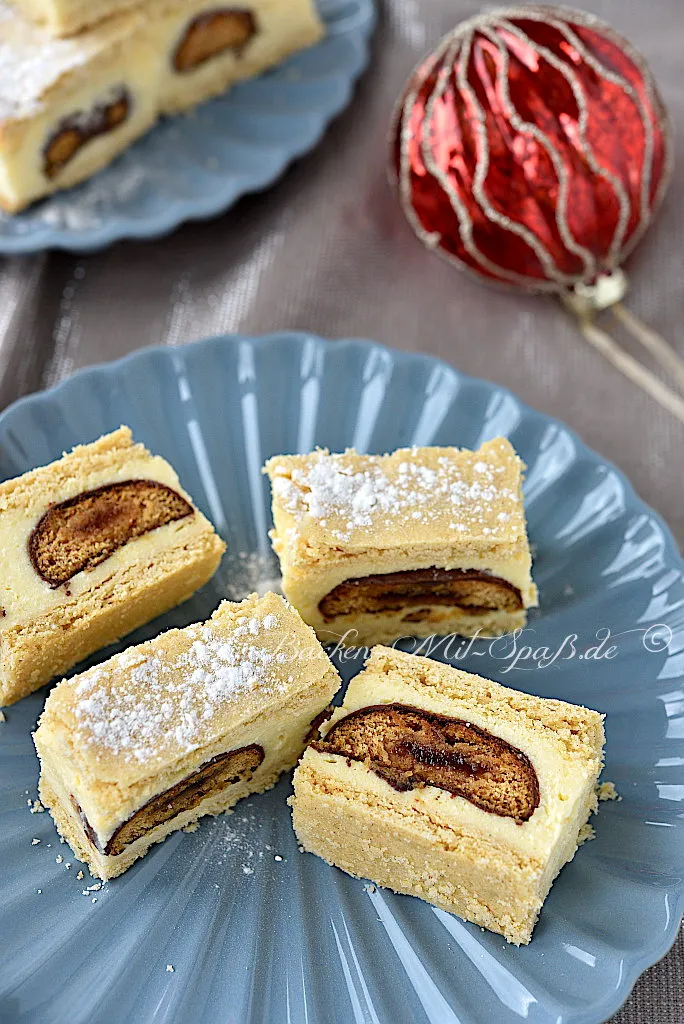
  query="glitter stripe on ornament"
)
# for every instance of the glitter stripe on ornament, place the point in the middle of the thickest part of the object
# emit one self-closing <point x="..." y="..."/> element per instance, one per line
<point x="525" y="127"/>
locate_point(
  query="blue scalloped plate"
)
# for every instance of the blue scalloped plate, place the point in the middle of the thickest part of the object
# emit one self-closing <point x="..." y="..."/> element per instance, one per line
<point x="193" y="167"/>
<point x="232" y="923"/>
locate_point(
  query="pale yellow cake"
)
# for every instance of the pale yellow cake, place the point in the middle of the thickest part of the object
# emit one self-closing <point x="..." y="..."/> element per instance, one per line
<point x="68" y="106"/>
<point x="179" y="727"/>
<point x="206" y="48"/>
<point x="91" y="547"/>
<point x="418" y="542"/>
<point x="450" y="787"/>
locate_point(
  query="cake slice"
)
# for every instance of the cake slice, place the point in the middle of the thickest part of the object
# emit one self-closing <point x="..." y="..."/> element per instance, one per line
<point x="91" y="547"/>
<point x="205" y="48"/>
<point x="419" y="542"/>
<point x="69" y="106"/>
<point x="450" y="787"/>
<point x="178" y="727"/>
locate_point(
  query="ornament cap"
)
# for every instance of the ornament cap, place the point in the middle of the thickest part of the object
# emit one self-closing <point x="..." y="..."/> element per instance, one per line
<point x="586" y="299"/>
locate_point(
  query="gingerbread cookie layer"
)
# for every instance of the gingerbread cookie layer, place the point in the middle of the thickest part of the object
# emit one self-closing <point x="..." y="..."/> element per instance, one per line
<point x="92" y="546"/>
<point x="179" y="727"/>
<point x="418" y="542"/>
<point x="450" y="787"/>
<point x="69" y="106"/>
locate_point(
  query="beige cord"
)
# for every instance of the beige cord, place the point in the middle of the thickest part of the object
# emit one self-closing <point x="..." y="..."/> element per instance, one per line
<point x="632" y="368"/>
<point x="660" y="349"/>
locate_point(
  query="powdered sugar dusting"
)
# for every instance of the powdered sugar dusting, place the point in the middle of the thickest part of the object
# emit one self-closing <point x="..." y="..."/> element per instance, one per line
<point x="31" y="60"/>
<point x="345" y="492"/>
<point x="170" y="699"/>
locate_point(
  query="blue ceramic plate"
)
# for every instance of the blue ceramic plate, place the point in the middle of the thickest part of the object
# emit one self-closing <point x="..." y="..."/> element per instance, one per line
<point x="191" y="167"/>
<point x="257" y="933"/>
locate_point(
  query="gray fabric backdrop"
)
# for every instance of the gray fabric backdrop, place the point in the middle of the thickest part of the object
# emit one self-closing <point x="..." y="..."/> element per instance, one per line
<point x="326" y="250"/>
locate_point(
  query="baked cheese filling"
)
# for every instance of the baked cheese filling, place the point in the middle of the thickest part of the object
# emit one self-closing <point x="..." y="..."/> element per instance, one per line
<point x="213" y="777"/>
<point x="469" y="589"/>
<point x="85" y="530"/>
<point x="75" y="130"/>
<point x="409" y="748"/>
<point x="212" y="33"/>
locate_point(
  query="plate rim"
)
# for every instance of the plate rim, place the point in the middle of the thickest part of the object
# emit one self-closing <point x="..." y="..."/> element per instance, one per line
<point x="125" y="227"/>
<point x="635" y="965"/>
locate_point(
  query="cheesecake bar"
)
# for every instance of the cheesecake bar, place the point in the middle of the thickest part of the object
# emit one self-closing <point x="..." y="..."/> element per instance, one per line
<point x="450" y="787"/>
<point x="178" y="727"/>
<point x="91" y="547"/>
<point x="69" y="106"/>
<point x="419" y="542"/>
<point x="205" y="47"/>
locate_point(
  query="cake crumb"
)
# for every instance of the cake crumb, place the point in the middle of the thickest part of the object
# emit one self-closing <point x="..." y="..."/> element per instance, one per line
<point x="38" y="891"/>
<point x="59" y="858"/>
<point x="67" y="866"/>
<point x="369" y="888"/>
<point x="2" y="716"/>
<point x="278" y="858"/>
<point x="36" y="807"/>
<point x="607" y="791"/>
<point x="192" y="827"/>
<point x="586" y="834"/>
<point x="170" y="968"/>
<point x="34" y="842"/>
<point x="94" y="899"/>
<point x="79" y="876"/>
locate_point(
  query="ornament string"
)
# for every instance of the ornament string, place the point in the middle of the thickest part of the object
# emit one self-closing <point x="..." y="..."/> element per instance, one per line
<point x="654" y="343"/>
<point x="623" y="361"/>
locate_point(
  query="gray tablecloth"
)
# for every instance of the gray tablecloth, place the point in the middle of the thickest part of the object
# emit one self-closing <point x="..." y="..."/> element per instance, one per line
<point x="326" y="250"/>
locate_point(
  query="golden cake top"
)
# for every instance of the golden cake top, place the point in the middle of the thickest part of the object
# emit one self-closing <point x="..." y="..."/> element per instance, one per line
<point x="32" y="62"/>
<point x="155" y="703"/>
<point x="350" y="502"/>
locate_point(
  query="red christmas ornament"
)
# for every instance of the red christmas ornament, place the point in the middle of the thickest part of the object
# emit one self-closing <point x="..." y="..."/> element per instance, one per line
<point x="532" y="147"/>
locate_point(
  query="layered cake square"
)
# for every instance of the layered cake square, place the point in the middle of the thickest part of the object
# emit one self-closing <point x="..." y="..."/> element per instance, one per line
<point x="91" y="547"/>
<point x="418" y="542"/>
<point x="205" y="48"/>
<point x="450" y="787"/>
<point x="182" y="726"/>
<point x="69" y="106"/>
